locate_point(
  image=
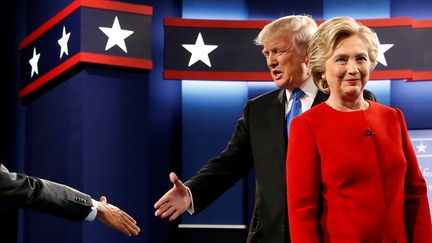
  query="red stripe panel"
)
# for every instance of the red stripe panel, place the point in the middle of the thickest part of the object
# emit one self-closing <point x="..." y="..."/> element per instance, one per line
<point x="258" y="24"/>
<point x="118" y="6"/>
<point x="265" y="76"/>
<point x="69" y="63"/>
<point x="116" y="60"/>
<point x="422" y="23"/>
<point x="422" y="76"/>
<point x="390" y="22"/>
<point x="49" y="24"/>
<point x="85" y="57"/>
<point x="392" y="74"/>
<point x="226" y="24"/>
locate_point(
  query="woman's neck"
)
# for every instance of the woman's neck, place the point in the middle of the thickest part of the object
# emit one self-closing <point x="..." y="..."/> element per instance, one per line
<point x="347" y="105"/>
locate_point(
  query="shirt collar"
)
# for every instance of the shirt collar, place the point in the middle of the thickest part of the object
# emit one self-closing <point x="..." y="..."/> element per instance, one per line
<point x="308" y="87"/>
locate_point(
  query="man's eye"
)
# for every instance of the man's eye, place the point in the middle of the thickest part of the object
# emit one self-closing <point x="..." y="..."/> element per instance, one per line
<point x="362" y="58"/>
<point x="280" y="52"/>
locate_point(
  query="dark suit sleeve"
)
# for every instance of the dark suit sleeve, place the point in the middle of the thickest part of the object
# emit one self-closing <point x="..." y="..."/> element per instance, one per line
<point x="369" y="95"/>
<point x="223" y="171"/>
<point x="20" y="190"/>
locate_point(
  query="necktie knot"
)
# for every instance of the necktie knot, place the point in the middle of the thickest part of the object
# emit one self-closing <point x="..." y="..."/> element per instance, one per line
<point x="298" y="93"/>
<point x="295" y="109"/>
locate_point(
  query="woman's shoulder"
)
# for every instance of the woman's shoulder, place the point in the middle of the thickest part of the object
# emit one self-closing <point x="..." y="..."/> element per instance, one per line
<point x="383" y="109"/>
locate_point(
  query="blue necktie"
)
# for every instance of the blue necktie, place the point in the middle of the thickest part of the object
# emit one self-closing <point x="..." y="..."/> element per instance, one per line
<point x="295" y="108"/>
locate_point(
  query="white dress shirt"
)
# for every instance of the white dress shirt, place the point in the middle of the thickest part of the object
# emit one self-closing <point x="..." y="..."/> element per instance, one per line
<point x="309" y="89"/>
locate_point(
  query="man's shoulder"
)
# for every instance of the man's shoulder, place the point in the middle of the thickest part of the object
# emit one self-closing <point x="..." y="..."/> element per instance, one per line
<point x="271" y="96"/>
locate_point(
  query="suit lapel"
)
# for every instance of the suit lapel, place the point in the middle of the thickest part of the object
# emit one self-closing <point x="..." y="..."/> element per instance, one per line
<point x="319" y="98"/>
<point x="276" y="118"/>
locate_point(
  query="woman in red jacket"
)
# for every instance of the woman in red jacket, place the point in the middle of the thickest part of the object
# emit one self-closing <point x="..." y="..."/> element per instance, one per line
<point x="352" y="173"/>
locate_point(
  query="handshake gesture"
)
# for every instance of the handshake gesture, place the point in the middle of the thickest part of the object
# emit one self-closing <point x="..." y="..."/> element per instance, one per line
<point x="116" y="218"/>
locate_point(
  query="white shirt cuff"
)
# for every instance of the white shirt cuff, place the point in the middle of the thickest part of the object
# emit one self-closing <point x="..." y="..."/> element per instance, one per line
<point x="92" y="215"/>
<point x="191" y="209"/>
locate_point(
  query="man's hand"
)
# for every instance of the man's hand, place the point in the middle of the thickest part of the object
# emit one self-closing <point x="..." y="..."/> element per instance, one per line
<point x="115" y="218"/>
<point x="175" y="201"/>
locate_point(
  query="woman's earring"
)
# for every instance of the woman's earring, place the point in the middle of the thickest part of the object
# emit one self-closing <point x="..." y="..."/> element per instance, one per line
<point x="323" y="77"/>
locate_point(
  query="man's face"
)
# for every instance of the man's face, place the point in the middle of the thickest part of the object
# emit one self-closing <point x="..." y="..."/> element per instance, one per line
<point x="287" y="66"/>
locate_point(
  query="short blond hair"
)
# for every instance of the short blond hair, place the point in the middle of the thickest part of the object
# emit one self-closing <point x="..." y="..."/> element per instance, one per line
<point x="302" y="28"/>
<point x="326" y="38"/>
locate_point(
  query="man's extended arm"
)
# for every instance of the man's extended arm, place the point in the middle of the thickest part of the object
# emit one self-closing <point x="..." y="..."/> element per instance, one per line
<point x="22" y="191"/>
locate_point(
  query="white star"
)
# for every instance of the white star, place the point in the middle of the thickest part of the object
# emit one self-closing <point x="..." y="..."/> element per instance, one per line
<point x="421" y="148"/>
<point x="382" y="48"/>
<point x="116" y="36"/>
<point x="63" y="42"/>
<point x="34" y="63"/>
<point x="199" y="51"/>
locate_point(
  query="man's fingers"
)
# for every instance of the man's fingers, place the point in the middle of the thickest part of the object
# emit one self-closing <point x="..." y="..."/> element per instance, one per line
<point x="124" y="230"/>
<point x="160" y="202"/>
<point x="168" y="212"/>
<point x="132" y="227"/>
<point x="129" y="218"/>
<point x="174" y="215"/>
<point x="165" y="207"/>
<point x="161" y="211"/>
<point x="164" y="199"/>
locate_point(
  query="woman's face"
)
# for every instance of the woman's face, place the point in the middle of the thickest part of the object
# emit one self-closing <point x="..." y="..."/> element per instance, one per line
<point x="347" y="70"/>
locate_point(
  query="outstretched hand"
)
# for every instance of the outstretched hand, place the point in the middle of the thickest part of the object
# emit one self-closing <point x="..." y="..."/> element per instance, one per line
<point x="175" y="202"/>
<point x="115" y="218"/>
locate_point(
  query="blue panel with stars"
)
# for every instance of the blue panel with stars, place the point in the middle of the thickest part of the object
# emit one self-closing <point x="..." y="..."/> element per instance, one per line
<point x="49" y="49"/>
<point x="108" y="33"/>
<point x="120" y="34"/>
<point x="422" y="143"/>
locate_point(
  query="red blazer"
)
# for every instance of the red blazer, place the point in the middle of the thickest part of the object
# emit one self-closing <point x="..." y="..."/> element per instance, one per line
<point x="354" y="177"/>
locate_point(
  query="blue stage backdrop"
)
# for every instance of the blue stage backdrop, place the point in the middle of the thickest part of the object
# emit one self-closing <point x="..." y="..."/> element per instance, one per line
<point x="422" y="143"/>
<point x="109" y="129"/>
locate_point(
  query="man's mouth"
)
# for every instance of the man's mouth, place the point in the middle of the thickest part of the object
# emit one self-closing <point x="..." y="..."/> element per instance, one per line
<point x="277" y="74"/>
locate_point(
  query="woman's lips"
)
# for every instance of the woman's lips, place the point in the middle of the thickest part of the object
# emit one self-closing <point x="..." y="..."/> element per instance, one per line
<point x="352" y="81"/>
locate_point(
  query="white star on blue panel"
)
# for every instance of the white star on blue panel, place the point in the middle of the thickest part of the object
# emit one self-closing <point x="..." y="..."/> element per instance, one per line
<point x="116" y="35"/>
<point x="199" y="51"/>
<point x="34" y="63"/>
<point x="63" y="43"/>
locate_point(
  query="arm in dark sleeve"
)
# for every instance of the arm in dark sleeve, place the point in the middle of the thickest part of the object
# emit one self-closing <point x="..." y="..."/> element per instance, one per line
<point x="223" y="171"/>
<point x="22" y="191"/>
<point x="369" y="95"/>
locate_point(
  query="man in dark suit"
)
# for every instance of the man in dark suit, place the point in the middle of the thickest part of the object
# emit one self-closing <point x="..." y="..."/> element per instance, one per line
<point x="22" y="191"/>
<point x="260" y="139"/>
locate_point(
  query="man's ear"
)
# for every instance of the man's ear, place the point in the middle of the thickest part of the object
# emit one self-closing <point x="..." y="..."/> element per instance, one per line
<point x="306" y="59"/>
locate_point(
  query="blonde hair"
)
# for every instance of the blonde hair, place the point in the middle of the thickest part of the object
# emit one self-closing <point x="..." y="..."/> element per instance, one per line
<point x="326" y="38"/>
<point x="302" y="28"/>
